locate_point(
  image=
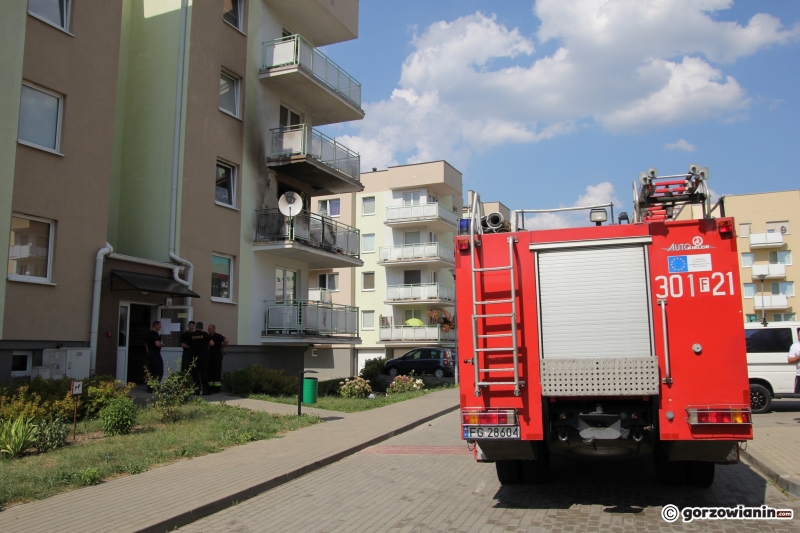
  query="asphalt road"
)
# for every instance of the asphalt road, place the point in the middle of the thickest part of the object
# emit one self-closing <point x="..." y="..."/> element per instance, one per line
<point x="425" y="480"/>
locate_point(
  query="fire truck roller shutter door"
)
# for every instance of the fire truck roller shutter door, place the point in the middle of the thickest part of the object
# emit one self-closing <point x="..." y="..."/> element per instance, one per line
<point x="594" y="302"/>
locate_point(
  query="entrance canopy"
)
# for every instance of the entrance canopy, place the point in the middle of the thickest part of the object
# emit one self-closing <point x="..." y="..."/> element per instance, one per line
<point x="127" y="281"/>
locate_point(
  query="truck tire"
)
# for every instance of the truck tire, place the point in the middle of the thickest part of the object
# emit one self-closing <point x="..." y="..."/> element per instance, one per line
<point x="760" y="399"/>
<point x="509" y="472"/>
<point x="668" y="472"/>
<point x="700" y="473"/>
<point x="536" y="472"/>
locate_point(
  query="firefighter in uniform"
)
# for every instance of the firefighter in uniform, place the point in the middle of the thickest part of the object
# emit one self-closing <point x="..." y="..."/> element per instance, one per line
<point x="215" y="354"/>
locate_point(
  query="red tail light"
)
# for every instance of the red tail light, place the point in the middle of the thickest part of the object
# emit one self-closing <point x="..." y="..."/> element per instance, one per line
<point x="488" y="417"/>
<point x="718" y="415"/>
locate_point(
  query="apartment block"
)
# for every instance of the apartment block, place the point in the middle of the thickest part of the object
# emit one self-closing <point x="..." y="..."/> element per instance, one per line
<point x="767" y="231"/>
<point x="147" y="144"/>
<point x="407" y="217"/>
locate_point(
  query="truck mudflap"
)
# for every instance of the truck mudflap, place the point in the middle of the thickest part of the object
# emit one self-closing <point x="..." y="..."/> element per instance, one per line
<point x="720" y="451"/>
<point x="488" y="451"/>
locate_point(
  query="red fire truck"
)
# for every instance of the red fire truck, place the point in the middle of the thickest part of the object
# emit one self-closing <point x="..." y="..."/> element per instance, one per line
<point x="607" y="341"/>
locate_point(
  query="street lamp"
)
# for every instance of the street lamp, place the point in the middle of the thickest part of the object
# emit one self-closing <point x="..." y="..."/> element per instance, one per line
<point x="763" y="305"/>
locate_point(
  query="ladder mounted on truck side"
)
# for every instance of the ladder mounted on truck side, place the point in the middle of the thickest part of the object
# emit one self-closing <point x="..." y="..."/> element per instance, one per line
<point x="482" y="373"/>
<point x="661" y="198"/>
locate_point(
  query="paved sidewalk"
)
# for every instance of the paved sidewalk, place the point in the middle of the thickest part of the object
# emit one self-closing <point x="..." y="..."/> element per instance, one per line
<point x="180" y="493"/>
<point x="775" y="448"/>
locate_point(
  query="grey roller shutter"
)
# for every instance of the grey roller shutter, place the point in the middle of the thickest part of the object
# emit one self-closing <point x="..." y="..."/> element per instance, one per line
<point x="593" y="302"/>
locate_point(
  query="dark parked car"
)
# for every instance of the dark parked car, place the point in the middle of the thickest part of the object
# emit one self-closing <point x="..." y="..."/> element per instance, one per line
<point x="437" y="361"/>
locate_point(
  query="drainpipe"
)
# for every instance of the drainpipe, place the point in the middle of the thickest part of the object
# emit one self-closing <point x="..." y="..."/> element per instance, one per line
<point x="176" y="145"/>
<point x="98" y="284"/>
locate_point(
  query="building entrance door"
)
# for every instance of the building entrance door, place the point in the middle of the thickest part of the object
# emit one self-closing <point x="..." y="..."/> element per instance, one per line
<point x="134" y="323"/>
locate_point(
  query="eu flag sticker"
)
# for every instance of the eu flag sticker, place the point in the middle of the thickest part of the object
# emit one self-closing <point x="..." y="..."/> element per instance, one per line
<point x="678" y="263"/>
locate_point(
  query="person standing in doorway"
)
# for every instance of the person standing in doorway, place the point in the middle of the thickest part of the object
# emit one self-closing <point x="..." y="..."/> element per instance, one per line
<point x="200" y="344"/>
<point x="186" y="341"/>
<point x="215" y="355"/>
<point x="153" y="344"/>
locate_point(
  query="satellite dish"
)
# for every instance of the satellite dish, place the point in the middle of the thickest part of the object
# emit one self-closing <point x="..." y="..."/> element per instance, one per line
<point x="290" y="204"/>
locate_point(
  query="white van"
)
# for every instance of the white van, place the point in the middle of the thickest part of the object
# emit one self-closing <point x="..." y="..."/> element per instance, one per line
<point x="771" y="376"/>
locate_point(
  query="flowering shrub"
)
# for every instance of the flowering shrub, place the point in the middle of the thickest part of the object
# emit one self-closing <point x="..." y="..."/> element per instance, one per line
<point x="355" y="388"/>
<point x="405" y="384"/>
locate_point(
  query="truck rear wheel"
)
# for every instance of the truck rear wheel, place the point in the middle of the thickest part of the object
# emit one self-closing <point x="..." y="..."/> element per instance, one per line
<point x="700" y="473"/>
<point x="760" y="398"/>
<point x="668" y="472"/>
<point x="509" y="472"/>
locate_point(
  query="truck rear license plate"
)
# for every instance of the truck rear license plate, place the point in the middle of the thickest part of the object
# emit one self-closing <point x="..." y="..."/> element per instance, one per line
<point x="491" y="432"/>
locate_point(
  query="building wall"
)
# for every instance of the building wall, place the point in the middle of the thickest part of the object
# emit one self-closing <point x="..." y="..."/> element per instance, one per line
<point x="73" y="188"/>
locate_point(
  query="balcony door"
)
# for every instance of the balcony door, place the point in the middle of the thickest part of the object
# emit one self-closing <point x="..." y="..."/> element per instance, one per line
<point x="412" y="237"/>
<point x="286" y="284"/>
<point x="411" y="198"/>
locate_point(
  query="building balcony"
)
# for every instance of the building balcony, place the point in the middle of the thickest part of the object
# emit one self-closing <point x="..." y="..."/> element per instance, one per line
<point x="321" y="21"/>
<point x="421" y="293"/>
<point x="393" y="331"/>
<point x="770" y="302"/>
<point x="320" y="295"/>
<point x="306" y="321"/>
<point x="766" y="240"/>
<point x="769" y="271"/>
<point x="314" y="158"/>
<point x="427" y="252"/>
<point x="314" y="239"/>
<point x="432" y="215"/>
<point x="296" y="68"/>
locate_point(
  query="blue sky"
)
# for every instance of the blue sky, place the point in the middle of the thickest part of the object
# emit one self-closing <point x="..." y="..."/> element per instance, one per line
<point x="551" y="103"/>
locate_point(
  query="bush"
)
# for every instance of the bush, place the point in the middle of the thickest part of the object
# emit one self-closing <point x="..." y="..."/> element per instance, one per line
<point x="328" y="387"/>
<point x="50" y="434"/>
<point x="118" y="416"/>
<point x="355" y="388"/>
<point x="255" y="379"/>
<point x="16" y="436"/>
<point x="372" y="368"/>
<point x="242" y="382"/>
<point x="171" y="393"/>
<point x="89" y="476"/>
<point x="405" y="384"/>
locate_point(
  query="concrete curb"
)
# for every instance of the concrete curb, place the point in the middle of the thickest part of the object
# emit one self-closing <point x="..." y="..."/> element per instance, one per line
<point x="230" y="500"/>
<point x="771" y="472"/>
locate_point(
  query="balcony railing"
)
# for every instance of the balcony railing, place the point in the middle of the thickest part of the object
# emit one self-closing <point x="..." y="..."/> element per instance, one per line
<point x="770" y="301"/>
<point x="305" y="317"/>
<point x="310" y="229"/>
<point x="420" y="212"/>
<point x="766" y="240"/>
<point x="430" y="251"/>
<point x="392" y="329"/>
<point x="305" y="140"/>
<point x="420" y="291"/>
<point x="296" y="51"/>
<point x="320" y="295"/>
<point x="769" y="271"/>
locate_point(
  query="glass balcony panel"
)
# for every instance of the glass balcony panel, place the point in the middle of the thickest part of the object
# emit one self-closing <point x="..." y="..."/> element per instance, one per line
<point x="304" y="140"/>
<point x="310" y="318"/>
<point x="281" y="53"/>
<point x="308" y="228"/>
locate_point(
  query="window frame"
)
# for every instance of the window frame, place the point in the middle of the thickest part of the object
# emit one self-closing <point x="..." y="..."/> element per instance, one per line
<point x="363" y="241"/>
<point x="363" y="274"/>
<point x="327" y="282"/>
<point x="363" y="205"/>
<point x="778" y="258"/>
<point x="234" y="175"/>
<point x="752" y="259"/>
<point x="240" y="17"/>
<point x="67" y="18"/>
<point x="747" y="318"/>
<point x="363" y="314"/>
<point x="744" y="290"/>
<point x="781" y="284"/>
<point x="59" y="121"/>
<point x="745" y="234"/>
<point x="237" y="92"/>
<point x="50" y="252"/>
<point x="221" y="299"/>
<point x="22" y="373"/>
<point x="328" y="204"/>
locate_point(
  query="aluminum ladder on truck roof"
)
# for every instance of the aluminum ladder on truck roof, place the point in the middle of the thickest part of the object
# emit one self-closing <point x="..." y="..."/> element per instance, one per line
<point x="482" y="373"/>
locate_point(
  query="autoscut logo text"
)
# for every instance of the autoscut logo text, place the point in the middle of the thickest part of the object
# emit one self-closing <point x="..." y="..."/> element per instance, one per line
<point x="696" y="244"/>
<point x="671" y="513"/>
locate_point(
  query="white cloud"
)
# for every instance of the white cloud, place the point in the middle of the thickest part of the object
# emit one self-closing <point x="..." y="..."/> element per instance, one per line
<point x="680" y="144"/>
<point x="602" y="193"/>
<point x="627" y="65"/>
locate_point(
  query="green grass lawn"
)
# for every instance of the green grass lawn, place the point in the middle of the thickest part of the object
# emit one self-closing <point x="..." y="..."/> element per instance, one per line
<point x="203" y="428"/>
<point x="350" y="405"/>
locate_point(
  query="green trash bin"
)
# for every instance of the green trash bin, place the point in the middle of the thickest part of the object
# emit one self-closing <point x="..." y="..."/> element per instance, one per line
<point x="310" y="390"/>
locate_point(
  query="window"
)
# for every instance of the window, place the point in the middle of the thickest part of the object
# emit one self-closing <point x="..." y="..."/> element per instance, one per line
<point x="783" y="317"/>
<point x="748" y="260"/>
<point x="40" y="118"/>
<point x="411" y="198"/>
<point x="411" y="237"/>
<point x="751" y="318"/>
<point x="749" y="290"/>
<point x="368" y="243"/>
<point x="368" y="206"/>
<point x="21" y="363"/>
<point x="221" y="277"/>
<point x="329" y="208"/>
<point x="288" y="117"/>
<point x="368" y="281"/>
<point x="225" y="192"/>
<point x="434" y="276"/>
<point x="768" y="340"/>
<point x="56" y="12"/>
<point x="285" y="284"/>
<point x="781" y="257"/>
<point x="781" y="226"/>
<point x="412" y="277"/>
<point x="367" y="319"/>
<point x="29" y="249"/>
<point x="229" y="94"/>
<point x="232" y="12"/>
<point x="412" y="313"/>
<point x="785" y="288"/>
<point x="328" y="282"/>
<point x="744" y="229"/>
